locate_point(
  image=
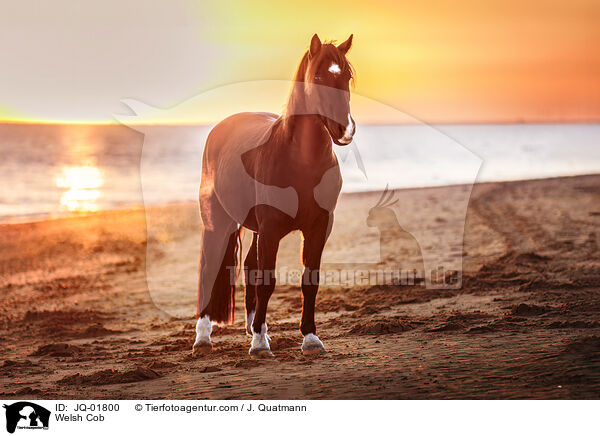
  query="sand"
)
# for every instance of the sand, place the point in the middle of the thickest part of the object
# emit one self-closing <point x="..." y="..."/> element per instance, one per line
<point x="79" y="320"/>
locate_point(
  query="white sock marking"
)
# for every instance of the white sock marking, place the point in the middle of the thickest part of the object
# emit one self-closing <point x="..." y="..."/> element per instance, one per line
<point x="260" y="341"/>
<point x="203" y="330"/>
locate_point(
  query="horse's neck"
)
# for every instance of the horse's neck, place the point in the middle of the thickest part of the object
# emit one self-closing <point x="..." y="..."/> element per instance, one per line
<point x="307" y="141"/>
<point x="306" y="137"/>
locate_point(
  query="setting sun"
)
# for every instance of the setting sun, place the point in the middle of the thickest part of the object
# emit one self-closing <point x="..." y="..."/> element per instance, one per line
<point x="82" y="185"/>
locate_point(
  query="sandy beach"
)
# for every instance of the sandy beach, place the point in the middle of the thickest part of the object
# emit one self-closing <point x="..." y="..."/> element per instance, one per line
<point x="77" y="319"/>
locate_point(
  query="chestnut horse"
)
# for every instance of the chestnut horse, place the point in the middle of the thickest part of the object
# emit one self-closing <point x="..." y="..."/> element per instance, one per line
<point x="273" y="175"/>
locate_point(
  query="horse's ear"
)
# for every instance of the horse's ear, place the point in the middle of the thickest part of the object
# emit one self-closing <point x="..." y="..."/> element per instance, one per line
<point x="344" y="47"/>
<point x="315" y="45"/>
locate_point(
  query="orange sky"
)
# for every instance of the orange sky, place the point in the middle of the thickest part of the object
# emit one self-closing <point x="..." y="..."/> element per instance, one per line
<point x="439" y="61"/>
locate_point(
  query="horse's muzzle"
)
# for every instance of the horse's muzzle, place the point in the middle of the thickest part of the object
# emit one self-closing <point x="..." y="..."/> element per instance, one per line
<point x="343" y="141"/>
<point x="349" y="131"/>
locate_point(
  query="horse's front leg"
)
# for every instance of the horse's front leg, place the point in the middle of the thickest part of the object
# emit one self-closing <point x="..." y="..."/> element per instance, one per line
<point x="250" y="270"/>
<point x="268" y="244"/>
<point x="314" y="242"/>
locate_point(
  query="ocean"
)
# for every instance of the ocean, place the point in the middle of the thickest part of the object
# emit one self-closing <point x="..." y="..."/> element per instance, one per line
<point x="55" y="170"/>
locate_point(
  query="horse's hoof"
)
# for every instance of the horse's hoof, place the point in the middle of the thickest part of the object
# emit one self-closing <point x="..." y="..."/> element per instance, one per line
<point x="313" y="351"/>
<point x="201" y="348"/>
<point x="312" y="345"/>
<point x="265" y="352"/>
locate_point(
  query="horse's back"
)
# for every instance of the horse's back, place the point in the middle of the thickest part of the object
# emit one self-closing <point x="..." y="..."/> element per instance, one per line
<point x="235" y="135"/>
<point x="223" y="172"/>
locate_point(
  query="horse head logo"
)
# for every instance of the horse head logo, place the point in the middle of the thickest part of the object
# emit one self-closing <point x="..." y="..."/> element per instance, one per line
<point x="25" y="414"/>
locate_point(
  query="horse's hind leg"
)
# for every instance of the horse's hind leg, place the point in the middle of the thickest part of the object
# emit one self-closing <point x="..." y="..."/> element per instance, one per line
<point x="268" y="244"/>
<point x="214" y="278"/>
<point x="250" y="270"/>
<point x="314" y="242"/>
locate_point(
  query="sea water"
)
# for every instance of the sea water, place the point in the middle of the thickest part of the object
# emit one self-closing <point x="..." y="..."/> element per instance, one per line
<point x="52" y="170"/>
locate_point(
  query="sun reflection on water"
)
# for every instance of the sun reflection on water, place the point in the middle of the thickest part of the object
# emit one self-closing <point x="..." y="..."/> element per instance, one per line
<point x="82" y="185"/>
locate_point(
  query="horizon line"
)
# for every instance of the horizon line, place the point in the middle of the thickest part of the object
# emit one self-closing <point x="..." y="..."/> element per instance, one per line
<point x="383" y="123"/>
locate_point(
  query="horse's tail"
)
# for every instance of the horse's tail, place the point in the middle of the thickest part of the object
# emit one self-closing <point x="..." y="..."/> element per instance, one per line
<point x="221" y="306"/>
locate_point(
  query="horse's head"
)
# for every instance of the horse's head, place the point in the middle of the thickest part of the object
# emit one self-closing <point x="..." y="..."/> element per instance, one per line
<point x="327" y="87"/>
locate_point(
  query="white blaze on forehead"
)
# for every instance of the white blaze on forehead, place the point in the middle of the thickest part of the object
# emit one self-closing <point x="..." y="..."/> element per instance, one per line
<point x="335" y="69"/>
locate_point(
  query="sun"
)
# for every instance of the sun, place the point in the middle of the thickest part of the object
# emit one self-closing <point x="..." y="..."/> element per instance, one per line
<point x="82" y="185"/>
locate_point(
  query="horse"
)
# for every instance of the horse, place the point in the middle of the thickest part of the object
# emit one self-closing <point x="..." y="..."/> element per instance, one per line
<point x="273" y="175"/>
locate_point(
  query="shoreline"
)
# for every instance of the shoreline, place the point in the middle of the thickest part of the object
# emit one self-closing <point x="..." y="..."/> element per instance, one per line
<point x="40" y="218"/>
